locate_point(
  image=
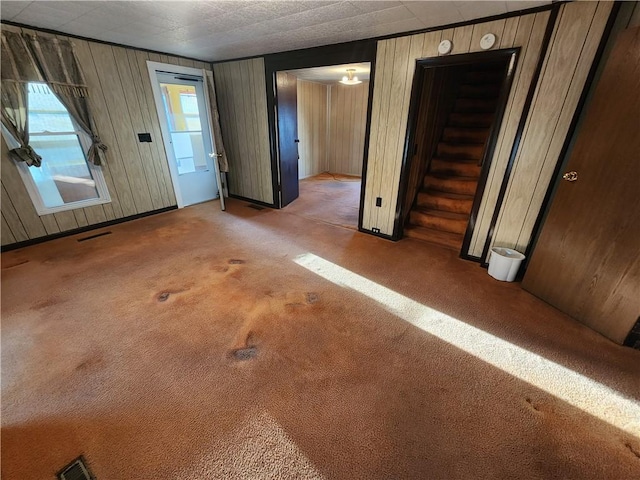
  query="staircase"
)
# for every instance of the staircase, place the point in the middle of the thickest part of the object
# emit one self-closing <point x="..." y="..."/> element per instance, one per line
<point x="442" y="208"/>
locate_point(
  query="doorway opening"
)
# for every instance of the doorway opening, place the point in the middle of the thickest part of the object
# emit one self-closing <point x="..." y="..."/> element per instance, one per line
<point x="322" y="118"/>
<point x="182" y="107"/>
<point x="455" y="116"/>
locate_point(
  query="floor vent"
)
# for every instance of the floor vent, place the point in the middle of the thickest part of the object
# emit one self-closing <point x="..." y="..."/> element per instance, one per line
<point x="633" y="339"/>
<point x="76" y="470"/>
<point x="94" y="236"/>
<point x="255" y="207"/>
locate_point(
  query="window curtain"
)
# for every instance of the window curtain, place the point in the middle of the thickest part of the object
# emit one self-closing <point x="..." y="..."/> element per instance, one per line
<point x="52" y="61"/>
<point x="215" y="120"/>
<point x="17" y="68"/>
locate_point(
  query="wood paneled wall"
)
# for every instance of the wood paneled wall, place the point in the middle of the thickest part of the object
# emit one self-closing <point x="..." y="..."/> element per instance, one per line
<point x="395" y="68"/>
<point x="577" y="33"/>
<point x="137" y="174"/>
<point x="312" y="128"/>
<point x="571" y="53"/>
<point x="348" y="120"/>
<point x="242" y="101"/>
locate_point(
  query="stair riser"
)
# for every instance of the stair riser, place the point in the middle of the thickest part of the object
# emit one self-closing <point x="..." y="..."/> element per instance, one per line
<point x="471" y="152"/>
<point x="484" y="78"/>
<point x="438" y="223"/>
<point x="453" y="244"/>
<point x="470" y="120"/>
<point x="456" y="169"/>
<point x="475" y="105"/>
<point x="451" y="185"/>
<point x="461" y="135"/>
<point x="444" y="204"/>
<point x="479" y="91"/>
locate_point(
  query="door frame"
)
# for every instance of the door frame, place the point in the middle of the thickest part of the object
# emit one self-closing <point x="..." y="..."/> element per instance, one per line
<point x="154" y="68"/>
<point x="511" y="56"/>
<point x="356" y="52"/>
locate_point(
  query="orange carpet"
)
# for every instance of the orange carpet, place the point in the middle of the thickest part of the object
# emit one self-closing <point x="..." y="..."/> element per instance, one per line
<point x="199" y="344"/>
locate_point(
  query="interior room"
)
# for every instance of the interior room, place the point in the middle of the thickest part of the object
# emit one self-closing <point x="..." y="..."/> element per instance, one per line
<point x="331" y="119"/>
<point x="219" y="262"/>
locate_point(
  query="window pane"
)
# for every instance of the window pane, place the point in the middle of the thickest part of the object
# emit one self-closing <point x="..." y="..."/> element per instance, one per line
<point x="64" y="176"/>
<point x="188" y="148"/>
<point x="181" y="105"/>
<point x="46" y="113"/>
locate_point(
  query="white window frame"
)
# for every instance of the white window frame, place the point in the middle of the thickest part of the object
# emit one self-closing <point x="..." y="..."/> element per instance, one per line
<point x="32" y="188"/>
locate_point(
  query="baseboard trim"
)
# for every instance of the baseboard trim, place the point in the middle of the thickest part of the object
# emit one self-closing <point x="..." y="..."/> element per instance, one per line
<point x="88" y="228"/>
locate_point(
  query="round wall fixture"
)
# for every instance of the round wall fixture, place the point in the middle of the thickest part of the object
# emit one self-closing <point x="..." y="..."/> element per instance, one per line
<point x="445" y="47"/>
<point x="487" y="41"/>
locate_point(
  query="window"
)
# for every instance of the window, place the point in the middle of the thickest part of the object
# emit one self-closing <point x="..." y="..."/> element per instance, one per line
<point x="65" y="180"/>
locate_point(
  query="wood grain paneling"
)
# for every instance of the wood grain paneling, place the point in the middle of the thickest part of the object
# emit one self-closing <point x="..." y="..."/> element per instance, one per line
<point x="348" y="117"/>
<point x="242" y="100"/>
<point x="312" y="128"/>
<point x="578" y="32"/>
<point x="136" y="174"/>
<point x="395" y="68"/>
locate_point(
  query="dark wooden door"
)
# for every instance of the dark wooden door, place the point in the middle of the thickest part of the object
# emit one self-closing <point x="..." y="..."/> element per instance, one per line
<point x="287" y="101"/>
<point x="587" y="259"/>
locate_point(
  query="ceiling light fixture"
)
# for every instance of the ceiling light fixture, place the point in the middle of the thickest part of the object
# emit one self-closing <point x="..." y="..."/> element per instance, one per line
<point x="350" y="78"/>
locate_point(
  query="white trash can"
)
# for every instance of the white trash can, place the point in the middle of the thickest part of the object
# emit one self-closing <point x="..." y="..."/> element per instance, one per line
<point x="504" y="263"/>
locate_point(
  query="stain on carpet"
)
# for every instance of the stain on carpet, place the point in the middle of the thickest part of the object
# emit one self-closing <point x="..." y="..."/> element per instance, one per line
<point x="49" y="302"/>
<point x="236" y="261"/>
<point x="163" y="296"/>
<point x="246" y="352"/>
<point x="532" y="405"/>
<point x="8" y="264"/>
<point x="312" y="297"/>
<point x="219" y="268"/>
<point x="631" y="449"/>
<point x="88" y="363"/>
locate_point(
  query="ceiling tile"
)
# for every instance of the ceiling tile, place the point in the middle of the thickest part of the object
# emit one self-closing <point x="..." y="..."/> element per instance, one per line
<point x="369" y="6"/>
<point x="472" y="10"/>
<point x="43" y="16"/>
<point x="237" y="28"/>
<point x="10" y="9"/>
<point x="514" y="6"/>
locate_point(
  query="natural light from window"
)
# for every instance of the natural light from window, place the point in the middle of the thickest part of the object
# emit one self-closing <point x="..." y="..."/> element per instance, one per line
<point x="64" y="177"/>
<point x="578" y="390"/>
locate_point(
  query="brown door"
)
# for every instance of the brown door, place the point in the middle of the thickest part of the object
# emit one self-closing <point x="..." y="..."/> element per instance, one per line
<point x="287" y="100"/>
<point x="587" y="259"/>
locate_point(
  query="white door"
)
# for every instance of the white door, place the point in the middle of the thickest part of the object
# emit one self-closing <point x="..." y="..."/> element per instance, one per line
<point x="181" y="104"/>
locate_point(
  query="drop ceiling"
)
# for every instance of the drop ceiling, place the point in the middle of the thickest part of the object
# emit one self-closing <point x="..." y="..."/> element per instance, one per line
<point x="220" y="30"/>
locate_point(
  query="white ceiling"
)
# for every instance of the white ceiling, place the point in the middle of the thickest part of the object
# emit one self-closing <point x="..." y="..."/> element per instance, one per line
<point x="225" y="29"/>
<point x="332" y="74"/>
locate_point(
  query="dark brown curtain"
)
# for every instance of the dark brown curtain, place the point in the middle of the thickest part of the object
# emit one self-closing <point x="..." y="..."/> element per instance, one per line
<point x="31" y="58"/>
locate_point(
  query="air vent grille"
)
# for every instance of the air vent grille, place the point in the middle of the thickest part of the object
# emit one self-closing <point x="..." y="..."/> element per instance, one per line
<point x="76" y="470"/>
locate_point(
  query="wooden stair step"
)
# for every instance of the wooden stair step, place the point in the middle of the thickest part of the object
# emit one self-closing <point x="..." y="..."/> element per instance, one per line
<point x="448" y="202"/>
<point x="455" y="167"/>
<point x="465" y="135"/>
<point x="449" y="240"/>
<point x="470" y="120"/>
<point x="475" y="105"/>
<point x="484" y="77"/>
<point x="478" y="91"/>
<point x="444" y="183"/>
<point x="469" y="151"/>
<point x="439" y="220"/>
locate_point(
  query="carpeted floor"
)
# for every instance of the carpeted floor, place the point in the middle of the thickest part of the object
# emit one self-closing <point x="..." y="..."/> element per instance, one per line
<point x="329" y="198"/>
<point x="197" y="344"/>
